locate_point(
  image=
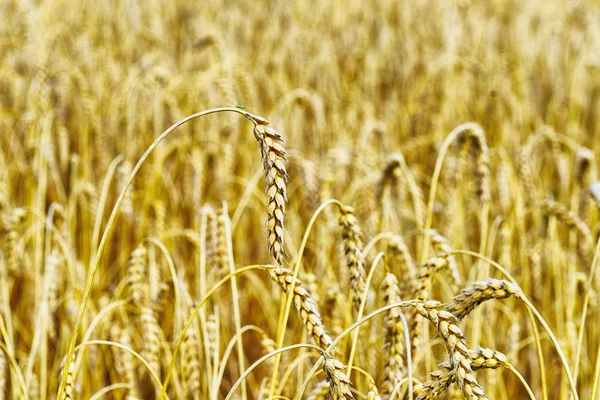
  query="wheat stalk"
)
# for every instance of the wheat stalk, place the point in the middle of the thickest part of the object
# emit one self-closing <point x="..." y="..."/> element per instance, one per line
<point x="4" y="374"/>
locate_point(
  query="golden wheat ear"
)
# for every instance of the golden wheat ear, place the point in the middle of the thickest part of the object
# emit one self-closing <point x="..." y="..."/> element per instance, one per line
<point x="339" y="383"/>
<point x="276" y="177"/>
<point x="305" y="305"/>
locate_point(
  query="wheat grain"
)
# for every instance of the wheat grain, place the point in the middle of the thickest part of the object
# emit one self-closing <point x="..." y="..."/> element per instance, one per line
<point x="69" y="392"/>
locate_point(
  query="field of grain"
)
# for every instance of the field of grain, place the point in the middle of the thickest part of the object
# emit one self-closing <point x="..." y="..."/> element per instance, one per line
<point x="395" y="199"/>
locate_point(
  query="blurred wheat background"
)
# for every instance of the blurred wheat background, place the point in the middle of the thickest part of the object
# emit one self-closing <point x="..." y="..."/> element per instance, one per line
<point x="435" y="155"/>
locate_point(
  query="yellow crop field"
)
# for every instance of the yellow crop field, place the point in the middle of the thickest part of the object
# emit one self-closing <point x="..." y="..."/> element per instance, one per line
<point x="252" y="200"/>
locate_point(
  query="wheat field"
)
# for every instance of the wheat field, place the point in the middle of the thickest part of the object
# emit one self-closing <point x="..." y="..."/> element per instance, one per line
<point x="221" y="200"/>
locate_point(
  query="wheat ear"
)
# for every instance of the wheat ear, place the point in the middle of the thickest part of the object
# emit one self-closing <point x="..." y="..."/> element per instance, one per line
<point x="442" y="248"/>
<point x="572" y="221"/>
<point x="305" y="305"/>
<point x="421" y="292"/>
<point x="525" y="174"/>
<point x="274" y="158"/>
<point x="400" y="260"/>
<point x="151" y="343"/>
<point x="393" y="368"/>
<point x="471" y="297"/>
<point x="339" y="383"/>
<point x="13" y="227"/>
<point x="191" y="364"/>
<point x="123" y="360"/>
<point x="69" y="392"/>
<point x="441" y="379"/>
<point x="567" y="217"/>
<point x="456" y="345"/>
<point x="482" y="165"/>
<point x="136" y="277"/>
<point x="351" y="235"/>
